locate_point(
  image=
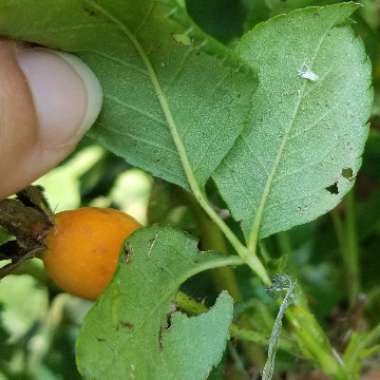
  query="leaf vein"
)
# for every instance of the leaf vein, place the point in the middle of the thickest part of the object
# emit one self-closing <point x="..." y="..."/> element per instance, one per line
<point x="267" y="188"/>
<point x="136" y="109"/>
<point x="137" y="138"/>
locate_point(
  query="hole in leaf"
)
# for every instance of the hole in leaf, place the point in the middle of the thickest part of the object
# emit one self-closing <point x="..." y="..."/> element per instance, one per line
<point x="166" y="324"/>
<point x="126" y="324"/>
<point x="128" y="253"/>
<point x="333" y="189"/>
<point x="347" y="173"/>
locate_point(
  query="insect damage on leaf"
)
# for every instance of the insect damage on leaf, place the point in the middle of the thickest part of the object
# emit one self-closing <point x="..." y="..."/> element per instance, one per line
<point x="348" y="173"/>
<point x="128" y="253"/>
<point x="333" y="189"/>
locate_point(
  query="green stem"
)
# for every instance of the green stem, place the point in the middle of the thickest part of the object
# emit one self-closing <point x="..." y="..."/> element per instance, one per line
<point x="352" y="248"/>
<point x="286" y="250"/>
<point x="284" y="243"/>
<point x="251" y="260"/>
<point x="213" y="239"/>
<point x="346" y="234"/>
<point x="191" y="306"/>
<point x="224" y="277"/>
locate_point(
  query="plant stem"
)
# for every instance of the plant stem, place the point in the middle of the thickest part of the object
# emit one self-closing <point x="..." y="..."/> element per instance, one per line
<point x="348" y="247"/>
<point x="191" y="306"/>
<point x="213" y="239"/>
<point x="284" y="243"/>
<point x="251" y="260"/>
<point x="286" y="250"/>
<point x="352" y="248"/>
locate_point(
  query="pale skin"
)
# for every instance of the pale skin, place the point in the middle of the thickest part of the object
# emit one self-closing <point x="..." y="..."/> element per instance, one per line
<point x="48" y="100"/>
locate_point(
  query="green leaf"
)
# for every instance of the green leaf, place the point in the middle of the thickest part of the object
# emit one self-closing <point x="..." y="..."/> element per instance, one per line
<point x="126" y="334"/>
<point x="308" y="127"/>
<point x="160" y="81"/>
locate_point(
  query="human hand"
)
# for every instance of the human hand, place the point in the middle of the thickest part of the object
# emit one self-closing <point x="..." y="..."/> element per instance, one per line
<point x="48" y="100"/>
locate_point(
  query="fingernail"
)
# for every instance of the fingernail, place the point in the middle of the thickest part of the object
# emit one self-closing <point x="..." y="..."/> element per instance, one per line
<point x="66" y="94"/>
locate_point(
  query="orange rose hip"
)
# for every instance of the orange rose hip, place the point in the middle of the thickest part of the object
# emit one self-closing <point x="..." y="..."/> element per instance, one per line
<point x="83" y="248"/>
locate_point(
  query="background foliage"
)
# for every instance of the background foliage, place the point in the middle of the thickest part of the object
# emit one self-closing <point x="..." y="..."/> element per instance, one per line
<point x="335" y="257"/>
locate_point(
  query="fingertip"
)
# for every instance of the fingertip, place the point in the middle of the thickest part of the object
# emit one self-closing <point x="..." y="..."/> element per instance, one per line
<point x="48" y="100"/>
<point x="93" y="89"/>
<point x="66" y="94"/>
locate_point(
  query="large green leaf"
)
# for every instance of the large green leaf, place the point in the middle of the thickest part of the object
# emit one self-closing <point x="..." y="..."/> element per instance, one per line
<point x="126" y="335"/>
<point x="308" y="131"/>
<point x="159" y="81"/>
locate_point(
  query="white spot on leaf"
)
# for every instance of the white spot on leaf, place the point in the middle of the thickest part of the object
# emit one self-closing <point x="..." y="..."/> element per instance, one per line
<point x="306" y="73"/>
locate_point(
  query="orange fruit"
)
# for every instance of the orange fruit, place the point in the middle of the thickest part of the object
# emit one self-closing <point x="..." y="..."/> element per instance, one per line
<point x="83" y="248"/>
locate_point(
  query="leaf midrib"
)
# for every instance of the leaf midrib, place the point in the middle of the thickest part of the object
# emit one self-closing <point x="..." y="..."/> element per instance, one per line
<point x="255" y="231"/>
<point x="162" y="98"/>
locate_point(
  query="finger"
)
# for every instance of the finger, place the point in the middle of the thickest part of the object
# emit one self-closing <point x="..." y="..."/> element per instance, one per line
<point x="48" y="100"/>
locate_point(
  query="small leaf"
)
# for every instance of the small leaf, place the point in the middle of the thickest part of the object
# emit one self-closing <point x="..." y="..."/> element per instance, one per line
<point x="165" y="88"/>
<point x="291" y="165"/>
<point x="133" y="331"/>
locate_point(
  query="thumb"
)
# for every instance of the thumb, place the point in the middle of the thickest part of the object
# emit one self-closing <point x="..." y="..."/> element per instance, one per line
<point x="48" y="100"/>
